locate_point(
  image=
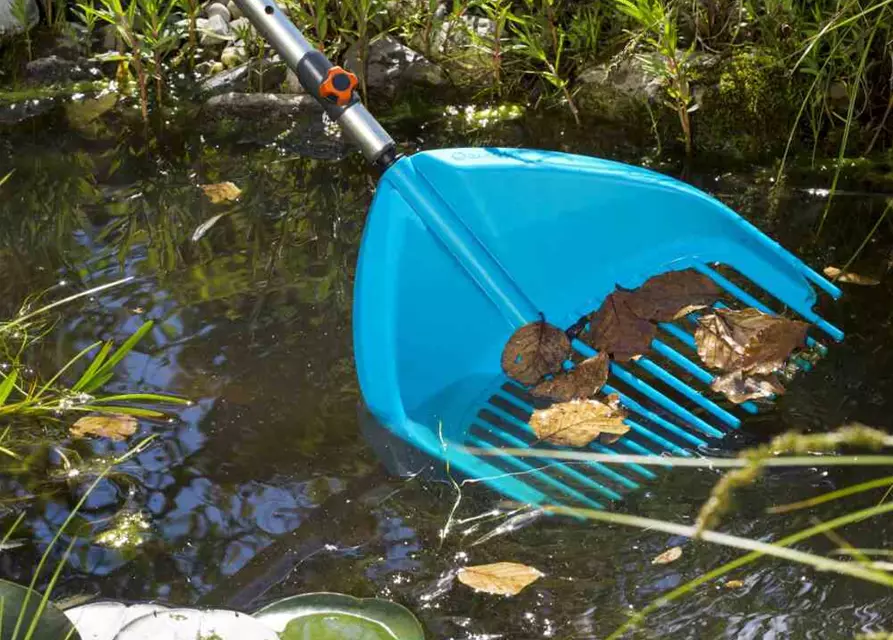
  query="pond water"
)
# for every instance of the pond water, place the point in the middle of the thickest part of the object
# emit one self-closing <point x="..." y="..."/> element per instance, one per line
<point x="266" y="486"/>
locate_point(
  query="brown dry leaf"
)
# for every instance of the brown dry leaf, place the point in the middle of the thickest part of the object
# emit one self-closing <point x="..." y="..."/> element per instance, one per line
<point x="739" y="387"/>
<point x="221" y="192"/>
<point x="849" y="277"/>
<point x="670" y="555"/>
<point x="583" y="381"/>
<point x="616" y="329"/>
<point x="672" y="295"/>
<point x="747" y="340"/>
<point x="115" y="426"/>
<point x="734" y="584"/>
<point x="500" y="578"/>
<point x="533" y="351"/>
<point x="579" y="422"/>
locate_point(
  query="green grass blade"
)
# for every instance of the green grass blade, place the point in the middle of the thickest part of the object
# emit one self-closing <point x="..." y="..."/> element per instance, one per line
<point x="675" y="594"/>
<point x="146" y="397"/>
<point x="58" y="303"/>
<point x="6" y="177"/>
<point x="35" y="620"/>
<point x="879" y="483"/>
<point x="818" y="562"/>
<point x="7" y="386"/>
<point x="90" y="373"/>
<point x="61" y="371"/>
<point x="122" y="351"/>
<point x="131" y="411"/>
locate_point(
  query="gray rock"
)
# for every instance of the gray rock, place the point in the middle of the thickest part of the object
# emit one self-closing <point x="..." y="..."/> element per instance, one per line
<point x="10" y="24"/>
<point x="70" y="41"/>
<point x="233" y="56"/>
<point x="109" y="38"/>
<point x="234" y="10"/>
<point x="390" y="64"/>
<point x="218" y="9"/>
<point x="292" y="84"/>
<point x="261" y="106"/>
<point x="55" y="70"/>
<point x="213" y="31"/>
<point x="241" y="26"/>
<point x="454" y="43"/>
<point x="628" y="77"/>
<point x="254" y="75"/>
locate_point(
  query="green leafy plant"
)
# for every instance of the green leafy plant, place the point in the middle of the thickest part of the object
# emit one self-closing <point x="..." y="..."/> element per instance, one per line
<point x="656" y="21"/>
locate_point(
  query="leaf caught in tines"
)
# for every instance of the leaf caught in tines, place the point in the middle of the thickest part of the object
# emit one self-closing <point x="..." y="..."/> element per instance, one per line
<point x="579" y="422"/>
<point x="839" y="275"/>
<point x="616" y="329"/>
<point x="670" y="555"/>
<point x="672" y="295"/>
<point x="740" y="387"/>
<point x="115" y="426"/>
<point x="747" y="340"/>
<point x="581" y="382"/>
<point x="499" y="578"/>
<point x="534" y="350"/>
<point x="205" y="226"/>
<point x="221" y="192"/>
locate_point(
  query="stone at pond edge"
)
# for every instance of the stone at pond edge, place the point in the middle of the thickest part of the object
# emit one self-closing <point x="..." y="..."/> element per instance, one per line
<point x="54" y="70"/>
<point x="390" y="64"/>
<point x="253" y="75"/>
<point x="396" y="619"/>
<point x="218" y="9"/>
<point x="9" y="23"/>
<point x="454" y="44"/>
<point x="104" y="619"/>
<point x="193" y="624"/>
<point x="234" y="10"/>
<point x="213" y="31"/>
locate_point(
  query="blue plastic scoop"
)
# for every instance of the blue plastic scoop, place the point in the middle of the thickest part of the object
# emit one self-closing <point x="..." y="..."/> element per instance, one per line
<point x="462" y="247"/>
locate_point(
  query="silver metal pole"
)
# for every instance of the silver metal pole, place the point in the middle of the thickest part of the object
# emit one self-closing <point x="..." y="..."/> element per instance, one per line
<point x="312" y="67"/>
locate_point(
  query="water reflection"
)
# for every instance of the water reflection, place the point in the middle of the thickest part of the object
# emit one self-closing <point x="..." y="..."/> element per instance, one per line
<point x="265" y="487"/>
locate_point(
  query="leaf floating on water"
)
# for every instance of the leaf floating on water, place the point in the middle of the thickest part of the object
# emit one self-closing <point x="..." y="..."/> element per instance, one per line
<point x="205" y="226"/>
<point x="616" y="329"/>
<point x="670" y="296"/>
<point x="670" y="555"/>
<point x="734" y="584"/>
<point x="579" y="422"/>
<point x="116" y="426"/>
<point x="535" y="350"/>
<point x="839" y="275"/>
<point x="500" y="578"/>
<point x="747" y="340"/>
<point x="221" y="192"/>
<point x="739" y="387"/>
<point x="582" y="382"/>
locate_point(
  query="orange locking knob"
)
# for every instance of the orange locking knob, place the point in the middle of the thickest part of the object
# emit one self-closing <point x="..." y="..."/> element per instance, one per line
<point x="338" y="87"/>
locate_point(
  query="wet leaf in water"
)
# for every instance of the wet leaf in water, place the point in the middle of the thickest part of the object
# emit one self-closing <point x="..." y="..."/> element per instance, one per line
<point x="849" y="277"/>
<point x="205" y="226"/>
<point x="670" y="555"/>
<point x="533" y="351"/>
<point x="672" y="295"/>
<point x="734" y="584"/>
<point x="500" y="578"/>
<point x="579" y="422"/>
<point x="582" y="382"/>
<point x="740" y="387"/>
<point x="747" y="340"/>
<point x="116" y="426"/>
<point x="617" y="330"/>
<point x="221" y="192"/>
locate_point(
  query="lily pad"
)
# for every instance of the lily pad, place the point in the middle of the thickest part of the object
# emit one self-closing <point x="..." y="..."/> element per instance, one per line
<point x="52" y="624"/>
<point x="335" y="616"/>
<point x="196" y="624"/>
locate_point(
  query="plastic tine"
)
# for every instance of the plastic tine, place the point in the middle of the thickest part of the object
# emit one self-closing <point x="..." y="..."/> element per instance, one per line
<point x="701" y="374"/>
<point x="749" y="300"/>
<point x="540" y="475"/>
<point x="690" y="393"/>
<point x="517" y="442"/>
<point x="564" y="468"/>
<point x="653" y="394"/>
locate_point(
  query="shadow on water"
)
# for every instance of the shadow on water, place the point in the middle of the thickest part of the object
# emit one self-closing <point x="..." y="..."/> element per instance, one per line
<point x="266" y="486"/>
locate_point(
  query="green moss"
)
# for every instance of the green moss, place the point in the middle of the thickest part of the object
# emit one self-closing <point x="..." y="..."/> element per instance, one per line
<point x="745" y="107"/>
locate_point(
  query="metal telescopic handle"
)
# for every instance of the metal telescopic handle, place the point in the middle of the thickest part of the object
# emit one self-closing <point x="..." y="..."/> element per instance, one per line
<point x="313" y="68"/>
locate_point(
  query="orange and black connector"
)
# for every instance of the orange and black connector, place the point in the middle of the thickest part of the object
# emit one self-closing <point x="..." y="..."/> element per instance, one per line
<point x="335" y="87"/>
